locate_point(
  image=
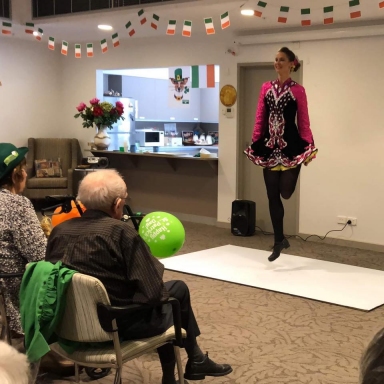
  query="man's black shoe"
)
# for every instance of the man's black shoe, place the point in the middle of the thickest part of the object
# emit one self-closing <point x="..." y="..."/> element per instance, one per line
<point x="277" y="248"/>
<point x="198" y="370"/>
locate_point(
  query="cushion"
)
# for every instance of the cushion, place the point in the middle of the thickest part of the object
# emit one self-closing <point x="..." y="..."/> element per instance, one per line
<point x="48" y="168"/>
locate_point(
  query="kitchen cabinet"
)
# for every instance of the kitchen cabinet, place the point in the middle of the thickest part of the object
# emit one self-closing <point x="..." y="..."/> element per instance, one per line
<point x="209" y="104"/>
<point x="183" y="114"/>
<point x="153" y="95"/>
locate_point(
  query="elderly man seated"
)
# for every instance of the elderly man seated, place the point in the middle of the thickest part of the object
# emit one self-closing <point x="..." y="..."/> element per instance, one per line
<point x="101" y="245"/>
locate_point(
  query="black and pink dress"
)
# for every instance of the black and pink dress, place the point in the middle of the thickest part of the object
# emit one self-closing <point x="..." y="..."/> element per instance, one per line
<point x="277" y="142"/>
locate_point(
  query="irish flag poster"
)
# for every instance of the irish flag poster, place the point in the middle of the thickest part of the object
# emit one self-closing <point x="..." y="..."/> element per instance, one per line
<point x="203" y="76"/>
<point x="179" y="93"/>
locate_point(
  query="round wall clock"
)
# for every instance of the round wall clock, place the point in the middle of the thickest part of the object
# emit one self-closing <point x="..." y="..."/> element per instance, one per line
<point x="228" y="95"/>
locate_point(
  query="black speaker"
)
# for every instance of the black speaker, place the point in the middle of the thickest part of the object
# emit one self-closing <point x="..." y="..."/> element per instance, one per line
<point x="243" y="220"/>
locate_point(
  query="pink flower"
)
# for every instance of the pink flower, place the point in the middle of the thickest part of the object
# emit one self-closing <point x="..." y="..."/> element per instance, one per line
<point x="81" y="107"/>
<point x="119" y="104"/>
<point x="94" y="101"/>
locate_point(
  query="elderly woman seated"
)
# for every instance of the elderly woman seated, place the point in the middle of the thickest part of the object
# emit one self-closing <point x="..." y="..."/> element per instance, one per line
<point x="22" y="239"/>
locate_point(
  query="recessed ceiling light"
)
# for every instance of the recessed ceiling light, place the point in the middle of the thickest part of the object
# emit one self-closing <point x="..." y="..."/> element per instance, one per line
<point x="247" y="12"/>
<point x="104" y="27"/>
<point x="35" y="33"/>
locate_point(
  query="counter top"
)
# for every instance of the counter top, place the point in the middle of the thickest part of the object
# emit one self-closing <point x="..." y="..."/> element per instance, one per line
<point x="172" y="158"/>
<point x="170" y="155"/>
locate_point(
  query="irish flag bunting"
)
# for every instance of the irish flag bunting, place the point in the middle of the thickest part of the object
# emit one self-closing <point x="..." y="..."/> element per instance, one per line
<point x="7" y="28"/>
<point x="171" y="29"/>
<point x="187" y="28"/>
<point x="155" y="21"/>
<point x="104" y="45"/>
<point x="203" y="76"/>
<point x="64" y="48"/>
<point x="260" y="7"/>
<point x="225" y="22"/>
<point x="78" y="51"/>
<point x="39" y="34"/>
<point x="328" y="15"/>
<point x="130" y="29"/>
<point x="381" y="4"/>
<point x="305" y="17"/>
<point x="142" y="17"/>
<point x="89" y="50"/>
<point x="283" y="16"/>
<point x="29" y="28"/>
<point x="51" y="43"/>
<point x="115" y="40"/>
<point x="354" y="9"/>
<point x="209" y="28"/>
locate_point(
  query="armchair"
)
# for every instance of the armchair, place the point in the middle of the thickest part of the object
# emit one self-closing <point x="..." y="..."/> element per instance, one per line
<point x="69" y="153"/>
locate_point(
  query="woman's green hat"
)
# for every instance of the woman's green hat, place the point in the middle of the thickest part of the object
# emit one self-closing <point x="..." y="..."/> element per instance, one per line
<point x="10" y="158"/>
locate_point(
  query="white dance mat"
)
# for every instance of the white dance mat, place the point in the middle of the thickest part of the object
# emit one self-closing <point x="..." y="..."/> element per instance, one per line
<point x="334" y="283"/>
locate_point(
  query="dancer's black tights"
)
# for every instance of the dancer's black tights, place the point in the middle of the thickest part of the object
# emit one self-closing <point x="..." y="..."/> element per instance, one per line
<point x="279" y="183"/>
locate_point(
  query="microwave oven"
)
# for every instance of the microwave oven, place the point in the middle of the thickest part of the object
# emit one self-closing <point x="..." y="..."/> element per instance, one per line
<point x="150" y="138"/>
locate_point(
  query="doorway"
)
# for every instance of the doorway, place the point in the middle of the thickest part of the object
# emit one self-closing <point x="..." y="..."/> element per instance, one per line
<point x="250" y="183"/>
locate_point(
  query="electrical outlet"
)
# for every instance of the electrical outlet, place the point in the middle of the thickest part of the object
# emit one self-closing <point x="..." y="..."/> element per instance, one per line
<point x="342" y="219"/>
<point x="353" y="220"/>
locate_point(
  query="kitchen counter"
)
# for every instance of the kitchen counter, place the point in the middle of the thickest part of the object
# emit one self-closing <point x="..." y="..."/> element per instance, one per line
<point x="182" y="185"/>
<point x="172" y="157"/>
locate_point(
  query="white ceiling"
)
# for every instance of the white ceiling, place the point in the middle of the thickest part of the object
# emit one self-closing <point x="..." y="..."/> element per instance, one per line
<point x="82" y="27"/>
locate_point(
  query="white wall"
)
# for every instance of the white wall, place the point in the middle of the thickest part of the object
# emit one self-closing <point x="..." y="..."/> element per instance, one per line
<point x="344" y="87"/>
<point x="30" y="91"/>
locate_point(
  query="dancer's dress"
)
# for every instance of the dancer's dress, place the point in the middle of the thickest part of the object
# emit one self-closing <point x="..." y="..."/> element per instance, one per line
<point x="277" y="142"/>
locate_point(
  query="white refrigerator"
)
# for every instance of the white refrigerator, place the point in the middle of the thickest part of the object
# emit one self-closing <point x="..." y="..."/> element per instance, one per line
<point x="123" y="131"/>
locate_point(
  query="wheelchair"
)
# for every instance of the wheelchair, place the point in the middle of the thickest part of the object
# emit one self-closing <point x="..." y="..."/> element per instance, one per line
<point x="5" y="334"/>
<point x="65" y="203"/>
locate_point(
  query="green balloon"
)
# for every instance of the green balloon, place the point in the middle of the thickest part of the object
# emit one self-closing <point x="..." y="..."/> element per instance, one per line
<point x="163" y="232"/>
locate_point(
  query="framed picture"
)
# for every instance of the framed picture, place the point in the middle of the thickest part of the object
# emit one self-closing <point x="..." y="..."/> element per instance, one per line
<point x="215" y="137"/>
<point x="187" y="137"/>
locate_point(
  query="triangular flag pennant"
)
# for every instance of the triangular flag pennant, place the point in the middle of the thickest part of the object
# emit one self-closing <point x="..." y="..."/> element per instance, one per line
<point x="142" y="17"/>
<point x="115" y="40"/>
<point x="354" y="9"/>
<point x="78" y="51"/>
<point x="104" y="45"/>
<point x="381" y="3"/>
<point x="64" y="48"/>
<point x="39" y="34"/>
<point x="260" y="7"/>
<point x="225" y="22"/>
<point x="171" y="29"/>
<point x="51" y="43"/>
<point x="209" y="28"/>
<point x="7" y="28"/>
<point x="155" y="21"/>
<point x="89" y="50"/>
<point x="328" y="15"/>
<point x="130" y="29"/>
<point x="187" y="28"/>
<point x="29" y="28"/>
<point x="203" y="76"/>
<point x="283" y="16"/>
<point x="305" y="17"/>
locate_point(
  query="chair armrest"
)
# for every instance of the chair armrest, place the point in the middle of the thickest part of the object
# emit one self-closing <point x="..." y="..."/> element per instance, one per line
<point x="108" y="313"/>
<point x="8" y="275"/>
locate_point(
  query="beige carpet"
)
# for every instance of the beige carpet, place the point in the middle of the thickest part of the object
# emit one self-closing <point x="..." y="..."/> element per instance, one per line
<point x="269" y="338"/>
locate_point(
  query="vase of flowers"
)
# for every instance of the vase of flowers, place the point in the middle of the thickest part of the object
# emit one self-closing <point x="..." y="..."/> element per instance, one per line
<point x="102" y="115"/>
